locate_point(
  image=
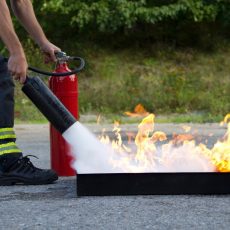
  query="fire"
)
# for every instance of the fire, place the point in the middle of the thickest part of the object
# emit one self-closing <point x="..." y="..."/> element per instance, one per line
<point x="186" y="128"/>
<point x="181" y="138"/>
<point x="220" y="153"/>
<point x="139" y="111"/>
<point x="154" y="152"/>
<point x="143" y="139"/>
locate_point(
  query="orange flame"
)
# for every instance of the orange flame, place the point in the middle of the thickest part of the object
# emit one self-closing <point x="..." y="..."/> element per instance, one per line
<point x="220" y="153"/>
<point x="181" y="138"/>
<point x="186" y="128"/>
<point x="139" y="111"/>
<point x="178" y="152"/>
<point x="159" y="136"/>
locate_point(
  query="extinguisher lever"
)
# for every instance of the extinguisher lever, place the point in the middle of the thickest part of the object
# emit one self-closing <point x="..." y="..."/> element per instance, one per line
<point x="61" y="56"/>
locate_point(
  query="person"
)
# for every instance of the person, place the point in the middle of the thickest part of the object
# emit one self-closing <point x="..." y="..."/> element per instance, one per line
<point x="14" y="167"/>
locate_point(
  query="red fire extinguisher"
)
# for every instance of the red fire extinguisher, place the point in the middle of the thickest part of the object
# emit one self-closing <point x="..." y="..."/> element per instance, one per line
<point x="66" y="89"/>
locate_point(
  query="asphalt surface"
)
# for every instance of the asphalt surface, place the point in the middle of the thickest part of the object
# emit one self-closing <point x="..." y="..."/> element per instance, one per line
<point x="57" y="206"/>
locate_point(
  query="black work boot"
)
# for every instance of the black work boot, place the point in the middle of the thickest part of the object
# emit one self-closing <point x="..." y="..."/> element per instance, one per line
<point x="16" y="169"/>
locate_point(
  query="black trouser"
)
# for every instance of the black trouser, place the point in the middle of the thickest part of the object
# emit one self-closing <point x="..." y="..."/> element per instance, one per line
<point x="6" y="96"/>
<point x="7" y="135"/>
<point x="8" y="147"/>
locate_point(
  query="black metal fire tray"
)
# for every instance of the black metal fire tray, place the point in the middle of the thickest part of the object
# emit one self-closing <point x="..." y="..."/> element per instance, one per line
<point x="152" y="184"/>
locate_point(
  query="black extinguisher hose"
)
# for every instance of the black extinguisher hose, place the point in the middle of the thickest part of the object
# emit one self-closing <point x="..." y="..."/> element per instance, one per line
<point x="74" y="71"/>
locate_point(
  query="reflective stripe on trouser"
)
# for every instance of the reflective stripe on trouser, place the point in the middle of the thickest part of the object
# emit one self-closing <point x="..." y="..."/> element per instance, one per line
<point x="7" y="133"/>
<point x="10" y="147"/>
<point x="6" y="96"/>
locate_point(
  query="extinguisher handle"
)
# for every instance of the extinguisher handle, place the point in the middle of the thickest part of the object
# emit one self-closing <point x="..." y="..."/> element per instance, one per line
<point x="74" y="71"/>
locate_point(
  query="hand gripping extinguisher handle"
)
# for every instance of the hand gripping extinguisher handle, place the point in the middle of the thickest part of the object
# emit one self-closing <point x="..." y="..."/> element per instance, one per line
<point x="49" y="105"/>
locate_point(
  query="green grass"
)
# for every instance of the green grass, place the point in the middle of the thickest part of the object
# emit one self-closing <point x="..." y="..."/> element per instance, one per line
<point x="192" y="84"/>
<point x="163" y="80"/>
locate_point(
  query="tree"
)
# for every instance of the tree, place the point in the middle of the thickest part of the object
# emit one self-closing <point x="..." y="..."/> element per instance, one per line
<point x="111" y="15"/>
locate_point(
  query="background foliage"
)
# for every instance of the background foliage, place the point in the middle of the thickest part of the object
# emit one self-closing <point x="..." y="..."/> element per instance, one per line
<point x="170" y="55"/>
<point x="111" y="15"/>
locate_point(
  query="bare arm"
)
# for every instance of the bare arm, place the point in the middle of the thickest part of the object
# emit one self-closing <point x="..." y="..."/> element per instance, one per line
<point x="7" y="32"/>
<point x="17" y="64"/>
<point x="23" y="10"/>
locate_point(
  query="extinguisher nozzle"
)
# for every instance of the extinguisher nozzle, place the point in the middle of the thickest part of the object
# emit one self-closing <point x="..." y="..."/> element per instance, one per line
<point x="49" y="105"/>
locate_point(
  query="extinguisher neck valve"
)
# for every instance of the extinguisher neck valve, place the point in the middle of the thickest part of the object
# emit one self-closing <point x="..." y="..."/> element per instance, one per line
<point x="62" y="57"/>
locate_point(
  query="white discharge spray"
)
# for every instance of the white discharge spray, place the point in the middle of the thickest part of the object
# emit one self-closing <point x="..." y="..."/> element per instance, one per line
<point x="92" y="156"/>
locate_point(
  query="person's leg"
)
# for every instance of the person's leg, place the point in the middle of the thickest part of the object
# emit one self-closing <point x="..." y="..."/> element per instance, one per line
<point x="14" y="168"/>
<point x="7" y="135"/>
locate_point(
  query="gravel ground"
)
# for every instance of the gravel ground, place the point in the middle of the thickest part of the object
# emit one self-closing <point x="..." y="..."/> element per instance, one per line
<point x="56" y="206"/>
